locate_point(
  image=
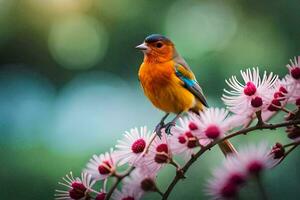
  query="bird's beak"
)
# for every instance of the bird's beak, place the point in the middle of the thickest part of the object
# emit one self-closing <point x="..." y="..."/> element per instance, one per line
<point x="142" y="47"/>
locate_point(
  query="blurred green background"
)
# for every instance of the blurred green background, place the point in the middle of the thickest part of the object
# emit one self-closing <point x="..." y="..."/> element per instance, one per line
<point x="69" y="87"/>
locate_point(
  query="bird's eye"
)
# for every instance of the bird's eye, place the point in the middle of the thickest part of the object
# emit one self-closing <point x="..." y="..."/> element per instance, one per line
<point x="159" y="45"/>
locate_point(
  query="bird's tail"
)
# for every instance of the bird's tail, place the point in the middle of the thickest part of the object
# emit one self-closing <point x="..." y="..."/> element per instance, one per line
<point x="227" y="148"/>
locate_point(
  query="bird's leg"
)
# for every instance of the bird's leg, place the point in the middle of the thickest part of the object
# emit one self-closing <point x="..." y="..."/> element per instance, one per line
<point x="161" y="125"/>
<point x="170" y="124"/>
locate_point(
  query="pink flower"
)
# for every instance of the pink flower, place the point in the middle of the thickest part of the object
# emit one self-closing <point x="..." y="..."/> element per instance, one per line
<point x="127" y="194"/>
<point x="251" y="96"/>
<point x="294" y="94"/>
<point x="237" y="169"/>
<point x="158" y="156"/>
<point x="100" y="196"/>
<point x="227" y="180"/>
<point x="293" y="80"/>
<point x="184" y="140"/>
<point x="141" y="179"/>
<point x="102" y="166"/>
<point x="131" y="147"/>
<point x="77" y="188"/>
<point x="213" y="123"/>
<point x="256" y="158"/>
<point x="294" y="69"/>
<point x="281" y="93"/>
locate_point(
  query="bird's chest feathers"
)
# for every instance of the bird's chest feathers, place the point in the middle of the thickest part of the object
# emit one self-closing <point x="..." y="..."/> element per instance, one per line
<point x="156" y="76"/>
<point x="164" y="88"/>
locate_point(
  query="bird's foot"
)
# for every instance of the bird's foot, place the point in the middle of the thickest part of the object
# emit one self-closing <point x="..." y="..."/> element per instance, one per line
<point x="158" y="128"/>
<point x="168" y="127"/>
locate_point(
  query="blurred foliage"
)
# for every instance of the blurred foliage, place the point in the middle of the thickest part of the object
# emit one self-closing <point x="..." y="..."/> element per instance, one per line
<point x="69" y="88"/>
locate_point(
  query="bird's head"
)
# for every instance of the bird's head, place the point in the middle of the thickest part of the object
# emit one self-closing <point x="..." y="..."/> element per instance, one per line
<point x="157" y="48"/>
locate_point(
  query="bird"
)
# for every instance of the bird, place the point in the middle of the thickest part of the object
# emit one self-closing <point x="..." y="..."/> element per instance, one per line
<point x="169" y="83"/>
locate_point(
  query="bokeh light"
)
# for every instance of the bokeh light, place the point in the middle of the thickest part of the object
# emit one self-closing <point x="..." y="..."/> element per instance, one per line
<point x="6" y="17"/>
<point x="256" y="43"/>
<point x="120" y="9"/>
<point x="199" y="27"/>
<point x="96" y="105"/>
<point x="31" y="96"/>
<point x="54" y="7"/>
<point x="78" y="42"/>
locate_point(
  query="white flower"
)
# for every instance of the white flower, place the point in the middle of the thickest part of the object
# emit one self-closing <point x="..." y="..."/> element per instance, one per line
<point x="184" y="140"/>
<point x="238" y="168"/>
<point x="102" y="166"/>
<point x="294" y="69"/>
<point x="131" y="147"/>
<point x="256" y="158"/>
<point x="213" y="123"/>
<point x="77" y="188"/>
<point x="251" y="95"/>
<point x="141" y="179"/>
<point x="227" y="179"/>
<point x="158" y="155"/>
<point x="294" y="91"/>
<point x="280" y="95"/>
<point x="127" y="194"/>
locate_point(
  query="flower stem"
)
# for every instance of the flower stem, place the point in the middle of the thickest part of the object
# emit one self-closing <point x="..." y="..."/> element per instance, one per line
<point x="291" y="144"/>
<point x="261" y="188"/>
<point x="150" y="142"/>
<point x="286" y="110"/>
<point x="159" y="191"/>
<point x="119" y="178"/>
<point x="295" y="144"/>
<point x="260" y="121"/>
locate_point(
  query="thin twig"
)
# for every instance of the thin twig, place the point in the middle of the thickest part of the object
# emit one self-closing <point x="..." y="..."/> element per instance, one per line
<point x="291" y="144"/>
<point x="119" y="178"/>
<point x="286" y="110"/>
<point x="212" y="144"/>
<point x="159" y="191"/>
<point x="149" y="144"/>
<point x="288" y="152"/>
<point x="260" y="121"/>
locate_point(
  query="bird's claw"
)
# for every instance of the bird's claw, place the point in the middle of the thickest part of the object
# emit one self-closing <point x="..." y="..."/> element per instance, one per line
<point x="168" y="127"/>
<point x="158" y="129"/>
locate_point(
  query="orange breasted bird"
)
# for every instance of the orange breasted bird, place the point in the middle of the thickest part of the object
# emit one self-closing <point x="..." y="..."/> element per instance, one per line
<point x="169" y="82"/>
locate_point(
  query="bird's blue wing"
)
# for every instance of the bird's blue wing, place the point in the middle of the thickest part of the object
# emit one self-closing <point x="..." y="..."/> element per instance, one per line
<point x="190" y="82"/>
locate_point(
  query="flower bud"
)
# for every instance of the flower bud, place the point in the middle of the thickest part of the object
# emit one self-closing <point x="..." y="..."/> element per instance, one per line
<point x="255" y="167"/>
<point x="148" y="185"/>
<point x="77" y="191"/>
<point x="100" y="196"/>
<point x="249" y="89"/>
<point x="256" y="102"/>
<point x="295" y="72"/>
<point x="212" y="132"/>
<point x="138" y="146"/>
<point x="162" y="155"/>
<point x="193" y="126"/>
<point x="105" y="167"/>
<point x="275" y="104"/>
<point x="298" y="102"/>
<point x="278" y="151"/>
<point x="293" y="132"/>
<point x="229" y="191"/>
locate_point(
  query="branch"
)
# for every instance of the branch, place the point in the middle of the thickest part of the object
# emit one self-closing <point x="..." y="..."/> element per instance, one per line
<point x="212" y="144"/>
<point x="119" y="179"/>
